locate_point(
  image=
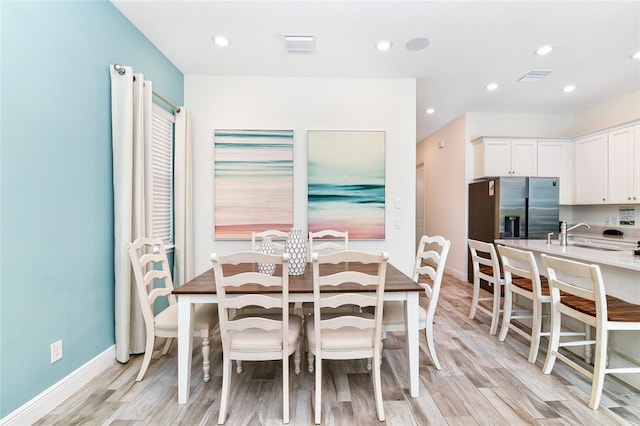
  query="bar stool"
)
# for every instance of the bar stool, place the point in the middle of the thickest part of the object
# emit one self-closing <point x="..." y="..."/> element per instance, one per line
<point x="486" y="267"/>
<point x="577" y="291"/>
<point x="522" y="278"/>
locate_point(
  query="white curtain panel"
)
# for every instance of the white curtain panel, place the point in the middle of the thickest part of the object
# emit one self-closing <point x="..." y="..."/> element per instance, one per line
<point x="130" y="106"/>
<point x="183" y="199"/>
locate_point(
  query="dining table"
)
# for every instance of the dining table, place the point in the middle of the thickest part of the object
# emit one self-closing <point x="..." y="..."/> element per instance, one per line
<point x="202" y="289"/>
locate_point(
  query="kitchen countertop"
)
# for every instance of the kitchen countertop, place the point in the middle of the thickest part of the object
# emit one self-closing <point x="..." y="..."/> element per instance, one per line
<point x="620" y="259"/>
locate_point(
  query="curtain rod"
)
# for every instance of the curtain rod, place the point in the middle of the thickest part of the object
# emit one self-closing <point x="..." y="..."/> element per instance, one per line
<point x="122" y="70"/>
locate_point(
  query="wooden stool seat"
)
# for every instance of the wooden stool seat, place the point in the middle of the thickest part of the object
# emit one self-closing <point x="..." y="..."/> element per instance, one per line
<point x="617" y="309"/>
<point x="488" y="270"/>
<point x="526" y="284"/>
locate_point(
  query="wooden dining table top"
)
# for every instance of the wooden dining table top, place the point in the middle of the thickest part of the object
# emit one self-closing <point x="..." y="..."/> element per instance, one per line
<point x="205" y="283"/>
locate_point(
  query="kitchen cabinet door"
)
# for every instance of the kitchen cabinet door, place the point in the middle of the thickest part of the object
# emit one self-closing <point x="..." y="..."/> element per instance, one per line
<point x="555" y="159"/>
<point x="497" y="158"/>
<point x="504" y="157"/>
<point x="623" y="165"/>
<point x="591" y="169"/>
<point x="524" y="158"/>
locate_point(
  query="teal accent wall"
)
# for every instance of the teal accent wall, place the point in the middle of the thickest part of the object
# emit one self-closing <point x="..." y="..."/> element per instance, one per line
<point x="56" y="222"/>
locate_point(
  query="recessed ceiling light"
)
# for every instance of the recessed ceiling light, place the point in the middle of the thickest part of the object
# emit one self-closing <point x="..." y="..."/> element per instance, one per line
<point x="430" y="110"/>
<point x="544" y="50"/>
<point x="491" y="86"/>
<point x="569" y="88"/>
<point x="636" y="55"/>
<point x="221" y="40"/>
<point x="384" y="45"/>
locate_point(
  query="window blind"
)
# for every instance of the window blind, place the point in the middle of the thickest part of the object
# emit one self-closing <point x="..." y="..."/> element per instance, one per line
<point x="162" y="125"/>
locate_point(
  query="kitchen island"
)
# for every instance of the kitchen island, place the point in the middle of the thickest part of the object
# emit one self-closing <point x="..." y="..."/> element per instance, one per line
<point x="621" y="274"/>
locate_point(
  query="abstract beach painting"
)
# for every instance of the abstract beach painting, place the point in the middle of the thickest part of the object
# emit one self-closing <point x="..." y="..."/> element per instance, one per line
<point x="347" y="182"/>
<point x="253" y="182"/>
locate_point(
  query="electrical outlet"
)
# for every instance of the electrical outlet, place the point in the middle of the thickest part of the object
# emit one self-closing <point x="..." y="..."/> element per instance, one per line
<point x="56" y="351"/>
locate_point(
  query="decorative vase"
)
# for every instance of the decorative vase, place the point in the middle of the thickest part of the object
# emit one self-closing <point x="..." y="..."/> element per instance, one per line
<point x="296" y="246"/>
<point x="267" y="248"/>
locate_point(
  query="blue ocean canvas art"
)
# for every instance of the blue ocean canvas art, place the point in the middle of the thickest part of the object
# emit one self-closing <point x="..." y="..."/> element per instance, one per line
<point x="253" y="182"/>
<point x="347" y="182"/>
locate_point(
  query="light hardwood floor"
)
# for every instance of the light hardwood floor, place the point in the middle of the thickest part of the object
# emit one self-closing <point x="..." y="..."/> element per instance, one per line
<point x="482" y="381"/>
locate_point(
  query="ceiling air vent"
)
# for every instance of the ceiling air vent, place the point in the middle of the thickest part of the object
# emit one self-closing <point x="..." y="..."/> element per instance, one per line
<point x="299" y="44"/>
<point x="534" y="76"/>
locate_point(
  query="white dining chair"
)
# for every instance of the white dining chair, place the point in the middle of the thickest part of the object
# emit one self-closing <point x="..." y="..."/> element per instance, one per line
<point x="255" y="337"/>
<point x="278" y="239"/>
<point x="428" y="270"/>
<point x="324" y="242"/>
<point x="340" y="336"/>
<point x="578" y="292"/>
<point x="153" y="282"/>
<point x="328" y="241"/>
<point x="486" y="267"/>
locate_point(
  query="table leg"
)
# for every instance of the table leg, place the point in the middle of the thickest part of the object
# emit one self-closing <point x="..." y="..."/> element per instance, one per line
<point x="413" y="341"/>
<point x="185" y="341"/>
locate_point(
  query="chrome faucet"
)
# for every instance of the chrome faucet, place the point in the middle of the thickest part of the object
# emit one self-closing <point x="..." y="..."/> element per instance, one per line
<point x="564" y="230"/>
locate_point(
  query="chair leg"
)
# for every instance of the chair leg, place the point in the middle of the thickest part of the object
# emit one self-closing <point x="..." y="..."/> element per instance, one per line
<point x="285" y="389"/>
<point x="297" y="358"/>
<point x="318" y="404"/>
<point x="148" y="351"/>
<point x="536" y="330"/>
<point x="474" y="299"/>
<point x="238" y="366"/>
<point x="224" y="394"/>
<point x="495" y="315"/>
<point x="599" y="368"/>
<point x="506" y="314"/>
<point x="554" y="341"/>
<point x="377" y="387"/>
<point x="587" y="348"/>
<point x="167" y="345"/>
<point x="428" y="331"/>
<point x="310" y="360"/>
<point x="206" y="365"/>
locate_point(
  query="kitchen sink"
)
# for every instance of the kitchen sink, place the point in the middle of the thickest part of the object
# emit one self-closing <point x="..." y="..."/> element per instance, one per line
<point x="596" y="246"/>
<point x="593" y="245"/>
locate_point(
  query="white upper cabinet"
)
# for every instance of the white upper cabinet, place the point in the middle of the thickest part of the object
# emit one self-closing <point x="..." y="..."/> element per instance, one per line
<point x="504" y="157"/>
<point x="591" y="169"/>
<point x="624" y="165"/>
<point x="555" y="159"/>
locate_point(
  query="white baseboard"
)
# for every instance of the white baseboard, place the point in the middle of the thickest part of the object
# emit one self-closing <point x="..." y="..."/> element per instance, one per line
<point x="462" y="276"/>
<point x="39" y="406"/>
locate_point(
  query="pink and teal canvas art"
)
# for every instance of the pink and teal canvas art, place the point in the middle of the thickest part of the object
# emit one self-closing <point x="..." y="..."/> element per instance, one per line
<point x="347" y="182"/>
<point x="253" y="182"/>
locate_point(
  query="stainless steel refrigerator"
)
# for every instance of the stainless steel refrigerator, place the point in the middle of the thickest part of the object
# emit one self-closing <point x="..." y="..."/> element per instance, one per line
<point x="513" y="207"/>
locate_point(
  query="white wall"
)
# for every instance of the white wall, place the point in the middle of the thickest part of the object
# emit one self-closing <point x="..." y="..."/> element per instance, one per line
<point x="617" y="111"/>
<point x="302" y="104"/>
<point x="510" y="124"/>
<point x="445" y="191"/>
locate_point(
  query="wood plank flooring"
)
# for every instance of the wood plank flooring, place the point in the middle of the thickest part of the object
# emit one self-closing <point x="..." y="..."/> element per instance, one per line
<point x="482" y="382"/>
